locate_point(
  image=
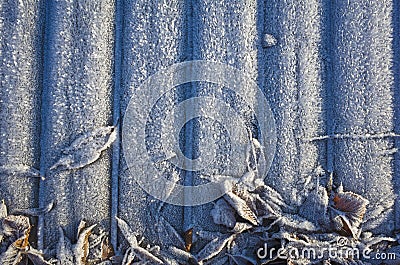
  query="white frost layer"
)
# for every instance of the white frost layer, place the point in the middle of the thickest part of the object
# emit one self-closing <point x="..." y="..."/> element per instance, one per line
<point x="77" y="98"/>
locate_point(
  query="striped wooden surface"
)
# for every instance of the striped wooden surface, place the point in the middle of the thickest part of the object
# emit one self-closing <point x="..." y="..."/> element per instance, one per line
<point x="70" y="66"/>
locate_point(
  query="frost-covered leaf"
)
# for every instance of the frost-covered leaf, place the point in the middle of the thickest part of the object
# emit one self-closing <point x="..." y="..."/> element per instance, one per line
<point x="20" y="171"/>
<point x="350" y="208"/>
<point x="213" y="248"/>
<point x="168" y="233"/>
<point x="128" y="257"/>
<point x="12" y="256"/>
<point x="36" y="211"/>
<point x="127" y="232"/>
<point x="243" y="260"/>
<point x="65" y="254"/>
<point x="268" y="194"/>
<point x="81" y="248"/>
<point x="297" y="223"/>
<point x="242" y="209"/>
<point x="141" y="253"/>
<point x="182" y="256"/>
<point x="145" y="255"/>
<point x="223" y="214"/>
<point x="16" y="226"/>
<point x="241" y="227"/>
<point x="188" y="237"/>
<point x="3" y="210"/>
<point x="352" y="204"/>
<point x="207" y="235"/>
<point x="224" y="260"/>
<point x="86" y="149"/>
<point x="82" y="226"/>
<point x="107" y="250"/>
<point x="36" y="257"/>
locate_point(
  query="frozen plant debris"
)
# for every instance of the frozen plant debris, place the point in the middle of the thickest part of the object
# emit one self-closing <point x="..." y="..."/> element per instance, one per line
<point x="349" y="211"/>
<point x="81" y="248"/>
<point x="188" y="239"/>
<point x="127" y="232"/>
<point x="36" y="211"/>
<point x="241" y="208"/>
<point x="137" y="251"/>
<point x="86" y="149"/>
<point x="14" y="240"/>
<point x="168" y="234"/>
<point x="87" y="250"/>
<point x="223" y="214"/>
<point x="20" y="171"/>
<point x="214" y="247"/>
<point x="269" y="41"/>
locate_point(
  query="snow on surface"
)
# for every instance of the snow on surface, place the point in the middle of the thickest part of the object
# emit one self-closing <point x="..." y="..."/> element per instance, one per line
<point x="325" y="68"/>
<point x="77" y="99"/>
<point x="20" y="102"/>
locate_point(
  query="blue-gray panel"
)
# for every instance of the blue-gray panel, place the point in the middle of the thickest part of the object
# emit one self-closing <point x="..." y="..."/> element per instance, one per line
<point x="154" y="37"/>
<point x="363" y="104"/>
<point x="21" y="26"/>
<point x="77" y="98"/>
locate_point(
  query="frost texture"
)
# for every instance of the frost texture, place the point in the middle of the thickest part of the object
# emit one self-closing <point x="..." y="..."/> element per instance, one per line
<point x="14" y="241"/>
<point x="20" y="171"/>
<point x="90" y="248"/>
<point x="86" y="149"/>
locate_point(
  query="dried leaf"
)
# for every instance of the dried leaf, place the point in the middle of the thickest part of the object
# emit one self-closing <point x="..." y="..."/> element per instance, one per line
<point x="107" y="250"/>
<point x="220" y="261"/>
<point x="351" y="208"/>
<point x="36" y="211"/>
<point x="243" y="260"/>
<point x="12" y="256"/>
<point x="128" y="257"/>
<point x="188" y="239"/>
<point x="81" y="249"/>
<point x="86" y="149"/>
<point x="65" y="254"/>
<point x="16" y="226"/>
<point x="352" y="204"/>
<point x="20" y="171"/>
<point x="168" y="232"/>
<point x="207" y="235"/>
<point x="268" y="194"/>
<point x="127" y="232"/>
<point x="241" y="207"/>
<point x="22" y="243"/>
<point x="3" y="210"/>
<point x="81" y="227"/>
<point x="182" y="255"/>
<point x="145" y="255"/>
<point x="213" y="248"/>
<point x="241" y="227"/>
<point x="223" y="214"/>
<point x="36" y="257"/>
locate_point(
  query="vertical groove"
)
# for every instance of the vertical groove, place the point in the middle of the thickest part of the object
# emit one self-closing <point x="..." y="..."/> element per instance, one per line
<point x="119" y="7"/>
<point x="45" y="92"/>
<point x="396" y="88"/>
<point x="329" y="84"/>
<point x="189" y="129"/>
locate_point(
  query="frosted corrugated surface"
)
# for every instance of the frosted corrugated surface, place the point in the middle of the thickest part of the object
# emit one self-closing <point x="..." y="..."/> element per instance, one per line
<point x="331" y="70"/>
